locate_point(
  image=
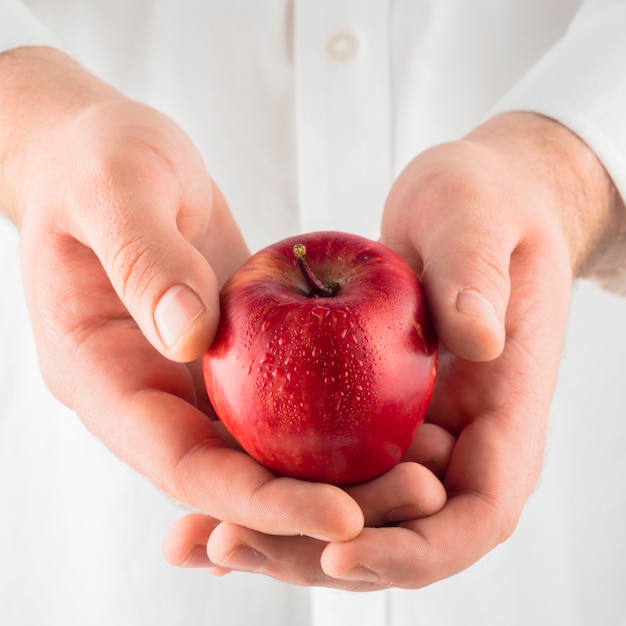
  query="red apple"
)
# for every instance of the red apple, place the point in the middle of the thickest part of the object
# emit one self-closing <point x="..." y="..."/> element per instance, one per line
<point x="325" y="358"/>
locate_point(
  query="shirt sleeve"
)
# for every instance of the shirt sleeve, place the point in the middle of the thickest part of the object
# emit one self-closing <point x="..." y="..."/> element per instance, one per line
<point x="581" y="82"/>
<point x="20" y="27"/>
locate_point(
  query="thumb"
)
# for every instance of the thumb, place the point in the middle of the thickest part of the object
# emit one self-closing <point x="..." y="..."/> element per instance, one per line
<point x="162" y="279"/>
<point x="466" y="279"/>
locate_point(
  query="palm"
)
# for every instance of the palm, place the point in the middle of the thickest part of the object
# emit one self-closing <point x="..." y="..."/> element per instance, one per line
<point x="149" y="410"/>
<point x="121" y="386"/>
<point x="498" y="412"/>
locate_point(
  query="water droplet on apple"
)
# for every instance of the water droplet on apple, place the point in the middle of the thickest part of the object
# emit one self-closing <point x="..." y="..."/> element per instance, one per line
<point x="266" y="325"/>
<point x="320" y="312"/>
<point x="268" y="359"/>
<point x="283" y="340"/>
<point x="341" y="334"/>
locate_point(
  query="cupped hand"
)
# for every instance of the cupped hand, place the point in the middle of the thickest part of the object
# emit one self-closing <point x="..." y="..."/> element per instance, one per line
<point x="409" y="491"/>
<point x="497" y="225"/>
<point x="125" y="241"/>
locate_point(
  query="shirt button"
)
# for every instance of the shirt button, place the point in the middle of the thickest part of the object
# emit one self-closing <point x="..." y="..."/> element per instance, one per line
<point x="342" y="46"/>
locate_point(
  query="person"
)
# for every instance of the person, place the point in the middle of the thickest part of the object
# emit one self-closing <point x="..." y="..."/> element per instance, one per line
<point x="145" y="149"/>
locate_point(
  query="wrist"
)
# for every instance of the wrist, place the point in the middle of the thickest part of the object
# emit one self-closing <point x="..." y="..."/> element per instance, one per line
<point x="40" y="89"/>
<point x="576" y="189"/>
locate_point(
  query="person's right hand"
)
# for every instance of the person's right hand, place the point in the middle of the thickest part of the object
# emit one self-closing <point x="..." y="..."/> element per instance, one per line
<point x="496" y="225"/>
<point x="125" y="241"/>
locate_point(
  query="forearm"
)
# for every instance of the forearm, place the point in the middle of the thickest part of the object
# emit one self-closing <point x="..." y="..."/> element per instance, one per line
<point x="39" y="88"/>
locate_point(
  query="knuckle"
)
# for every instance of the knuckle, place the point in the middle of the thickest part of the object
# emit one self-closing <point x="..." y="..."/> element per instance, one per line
<point x="504" y="518"/>
<point x="187" y="479"/>
<point x="123" y="239"/>
<point x="491" y="268"/>
<point x="133" y="266"/>
<point x="485" y="268"/>
<point x="508" y="524"/>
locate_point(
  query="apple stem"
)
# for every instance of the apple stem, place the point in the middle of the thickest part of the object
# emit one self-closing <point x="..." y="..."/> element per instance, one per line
<point x="319" y="288"/>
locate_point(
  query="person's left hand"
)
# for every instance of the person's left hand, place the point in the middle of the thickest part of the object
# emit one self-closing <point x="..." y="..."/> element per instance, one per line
<point x="124" y="240"/>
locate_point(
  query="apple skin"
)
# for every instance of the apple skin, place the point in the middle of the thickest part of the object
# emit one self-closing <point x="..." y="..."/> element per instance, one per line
<point x="328" y="389"/>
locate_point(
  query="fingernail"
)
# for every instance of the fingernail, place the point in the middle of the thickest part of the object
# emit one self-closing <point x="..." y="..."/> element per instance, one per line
<point x="470" y="302"/>
<point x="178" y="307"/>
<point x="198" y="558"/>
<point x="245" y="559"/>
<point x="360" y="574"/>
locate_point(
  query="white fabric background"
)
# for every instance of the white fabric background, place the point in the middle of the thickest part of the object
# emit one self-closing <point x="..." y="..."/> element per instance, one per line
<point x="79" y="532"/>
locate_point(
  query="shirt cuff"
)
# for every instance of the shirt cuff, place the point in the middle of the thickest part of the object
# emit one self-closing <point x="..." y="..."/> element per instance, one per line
<point x="20" y="27"/>
<point x="581" y="83"/>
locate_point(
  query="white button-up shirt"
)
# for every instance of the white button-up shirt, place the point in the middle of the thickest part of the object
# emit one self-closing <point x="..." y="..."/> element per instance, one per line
<point x="305" y="111"/>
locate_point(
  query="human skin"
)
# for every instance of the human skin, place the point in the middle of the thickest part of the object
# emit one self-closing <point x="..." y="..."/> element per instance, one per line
<point x="497" y="225"/>
<point x="115" y="210"/>
<point x="125" y="241"/>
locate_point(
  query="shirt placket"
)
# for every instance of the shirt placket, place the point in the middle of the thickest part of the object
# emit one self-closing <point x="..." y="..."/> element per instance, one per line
<point x="343" y="113"/>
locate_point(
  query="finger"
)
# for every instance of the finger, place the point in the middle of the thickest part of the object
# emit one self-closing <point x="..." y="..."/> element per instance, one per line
<point x="462" y="249"/>
<point x="407" y="491"/>
<point x="411" y="555"/>
<point x="156" y="222"/>
<point x="294" y="560"/>
<point x="432" y="447"/>
<point x="420" y="552"/>
<point x="185" y="542"/>
<point x="494" y="465"/>
<point x="187" y="459"/>
<point x="162" y="279"/>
